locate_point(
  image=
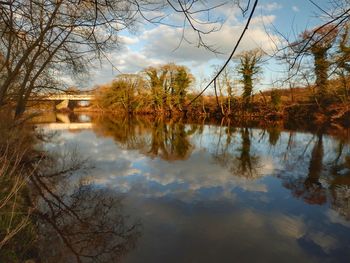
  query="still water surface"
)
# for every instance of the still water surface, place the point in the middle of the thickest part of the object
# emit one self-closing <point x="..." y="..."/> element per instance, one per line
<point x="216" y="192"/>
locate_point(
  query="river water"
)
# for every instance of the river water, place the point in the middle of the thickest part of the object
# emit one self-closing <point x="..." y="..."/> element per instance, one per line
<point x="211" y="192"/>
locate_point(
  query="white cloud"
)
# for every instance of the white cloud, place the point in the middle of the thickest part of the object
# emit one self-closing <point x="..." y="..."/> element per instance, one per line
<point x="295" y="8"/>
<point x="124" y="61"/>
<point x="326" y="242"/>
<point x="162" y="44"/>
<point x="335" y="218"/>
<point x="118" y="168"/>
<point x="129" y="40"/>
<point x="271" y="6"/>
<point x="290" y="226"/>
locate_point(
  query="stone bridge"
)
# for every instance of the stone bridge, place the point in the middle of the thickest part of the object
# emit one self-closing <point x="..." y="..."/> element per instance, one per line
<point x="73" y="97"/>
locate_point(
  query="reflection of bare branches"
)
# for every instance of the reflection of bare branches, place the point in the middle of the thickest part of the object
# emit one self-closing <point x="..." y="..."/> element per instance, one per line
<point x="289" y="145"/>
<point x="84" y="223"/>
<point x="165" y="139"/>
<point x="245" y="164"/>
<point x="274" y="135"/>
<point x="248" y="163"/>
<point x="310" y="189"/>
<point x="341" y="199"/>
<point x="170" y="141"/>
<point x="100" y="233"/>
<point x="64" y="163"/>
<point x="125" y="130"/>
<point x="340" y="184"/>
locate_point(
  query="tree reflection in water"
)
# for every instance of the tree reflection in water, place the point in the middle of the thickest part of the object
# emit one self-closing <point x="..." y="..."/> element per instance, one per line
<point x="310" y="189"/>
<point x="240" y="161"/>
<point x="335" y="187"/>
<point x="232" y="148"/>
<point x="169" y="142"/>
<point x="336" y="176"/>
<point x="127" y="131"/>
<point x="340" y="184"/>
<point x="156" y="138"/>
<point x="247" y="163"/>
<point x="274" y="135"/>
<point x="82" y="223"/>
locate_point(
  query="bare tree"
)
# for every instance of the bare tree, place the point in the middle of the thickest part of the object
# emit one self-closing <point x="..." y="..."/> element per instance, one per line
<point x="245" y="6"/>
<point x="38" y="38"/>
<point x="224" y="90"/>
<point x="41" y="38"/>
<point x="343" y="59"/>
<point x="320" y="41"/>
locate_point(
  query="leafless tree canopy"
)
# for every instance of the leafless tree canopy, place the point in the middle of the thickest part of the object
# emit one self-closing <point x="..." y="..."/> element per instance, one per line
<point x="42" y="37"/>
<point x="39" y="38"/>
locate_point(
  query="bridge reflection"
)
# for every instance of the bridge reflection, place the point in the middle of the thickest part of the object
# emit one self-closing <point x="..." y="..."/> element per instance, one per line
<point x="66" y="126"/>
<point x="56" y="97"/>
<point x="58" y="121"/>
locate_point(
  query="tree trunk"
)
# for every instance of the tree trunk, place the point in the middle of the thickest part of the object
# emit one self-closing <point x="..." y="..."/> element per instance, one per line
<point x="321" y="72"/>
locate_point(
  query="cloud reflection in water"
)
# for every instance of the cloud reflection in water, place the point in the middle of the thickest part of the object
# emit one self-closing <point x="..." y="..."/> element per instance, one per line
<point x="213" y="194"/>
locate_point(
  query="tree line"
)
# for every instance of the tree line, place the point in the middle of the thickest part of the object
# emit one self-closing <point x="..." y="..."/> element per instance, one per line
<point x="163" y="88"/>
<point x="166" y="88"/>
<point x="44" y="40"/>
<point x="169" y="88"/>
<point x="329" y="49"/>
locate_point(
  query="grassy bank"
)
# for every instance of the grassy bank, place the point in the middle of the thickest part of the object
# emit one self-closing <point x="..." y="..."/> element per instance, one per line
<point x="18" y="162"/>
<point x="262" y="108"/>
<point x="39" y="220"/>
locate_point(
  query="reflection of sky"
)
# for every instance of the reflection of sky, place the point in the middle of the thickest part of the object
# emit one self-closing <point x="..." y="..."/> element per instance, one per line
<point x="190" y="205"/>
<point x="197" y="177"/>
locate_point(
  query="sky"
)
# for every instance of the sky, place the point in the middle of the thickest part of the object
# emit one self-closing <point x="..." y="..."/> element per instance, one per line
<point x="152" y="45"/>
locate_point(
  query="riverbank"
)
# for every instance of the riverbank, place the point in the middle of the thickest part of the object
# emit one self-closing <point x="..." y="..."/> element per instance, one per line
<point x="19" y="160"/>
<point x="116" y="121"/>
<point x="210" y="173"/>
<point x="154" y="136"/>
<point x="301" y="114"/>
<point x="40" y="205"/>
